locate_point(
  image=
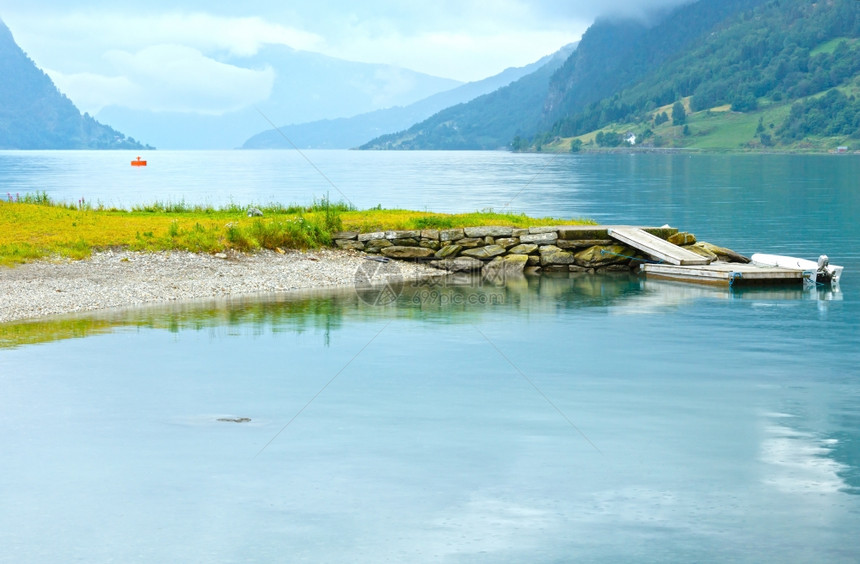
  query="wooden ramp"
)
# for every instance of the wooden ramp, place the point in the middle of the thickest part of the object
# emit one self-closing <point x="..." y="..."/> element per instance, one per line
<point x="656" y="247"/>
<point x="726" y="274"/>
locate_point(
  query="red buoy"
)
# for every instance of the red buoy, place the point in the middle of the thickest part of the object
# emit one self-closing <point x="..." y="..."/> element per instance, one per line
<point x="138" y="162"/>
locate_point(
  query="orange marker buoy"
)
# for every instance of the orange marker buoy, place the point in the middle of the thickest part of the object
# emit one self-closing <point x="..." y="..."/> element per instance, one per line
<point x="138" y="162"/>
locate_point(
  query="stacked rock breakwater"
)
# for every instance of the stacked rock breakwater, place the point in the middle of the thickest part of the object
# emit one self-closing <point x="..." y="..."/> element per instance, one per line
<point x="491" y="249"/>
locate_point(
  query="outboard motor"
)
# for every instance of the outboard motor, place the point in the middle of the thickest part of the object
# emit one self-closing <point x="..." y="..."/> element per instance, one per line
<point x="823" y="274"/>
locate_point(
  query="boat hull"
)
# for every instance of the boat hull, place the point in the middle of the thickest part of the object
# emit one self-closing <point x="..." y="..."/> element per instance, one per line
<point x="827" y="274"/>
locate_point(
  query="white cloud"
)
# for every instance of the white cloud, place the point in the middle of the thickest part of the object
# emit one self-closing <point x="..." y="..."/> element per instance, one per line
<point x="167" y="78"/>
<point x="465" y="40"/>
<point x="455" y="55"/>
<point x="461" y="39"/>
<point x="80" y="38"/>
<point x="91" y="92"/>
<point x="165" y="53"/>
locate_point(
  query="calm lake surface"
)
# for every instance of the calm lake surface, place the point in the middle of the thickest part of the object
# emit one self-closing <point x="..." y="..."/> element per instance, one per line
<point x="554" y="419"/>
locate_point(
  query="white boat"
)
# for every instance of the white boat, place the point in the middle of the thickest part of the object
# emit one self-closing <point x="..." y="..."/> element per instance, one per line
<point x="825" y="273"/>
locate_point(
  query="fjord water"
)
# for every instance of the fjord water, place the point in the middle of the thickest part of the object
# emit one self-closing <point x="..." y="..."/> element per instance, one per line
<point x="588" y="419"/>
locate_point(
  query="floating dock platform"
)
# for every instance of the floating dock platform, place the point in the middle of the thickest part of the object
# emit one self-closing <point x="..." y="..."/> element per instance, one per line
<point x="683" y="265"/>
<point x="728" y="274"/>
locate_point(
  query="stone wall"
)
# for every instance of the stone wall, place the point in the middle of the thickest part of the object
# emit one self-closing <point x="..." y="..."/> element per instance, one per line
<point x="565" y="248"/>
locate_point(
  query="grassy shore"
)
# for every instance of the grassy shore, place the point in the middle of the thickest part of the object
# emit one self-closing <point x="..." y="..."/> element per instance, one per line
<point x="719" y="129"/>
<point x="34" y="227"/>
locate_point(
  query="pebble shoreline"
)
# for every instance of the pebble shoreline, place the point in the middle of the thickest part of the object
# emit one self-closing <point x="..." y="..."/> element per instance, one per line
<point x="114" y="279"/>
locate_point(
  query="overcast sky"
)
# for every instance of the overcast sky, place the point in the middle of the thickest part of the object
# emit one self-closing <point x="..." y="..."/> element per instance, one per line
<point x="99" y="51"/>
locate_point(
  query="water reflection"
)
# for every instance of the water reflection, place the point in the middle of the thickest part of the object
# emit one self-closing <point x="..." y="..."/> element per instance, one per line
<point x="456" y="299"/>
<point x="689" y="292"/>
<point x="718" y="432"/>
<point x="799" y="462"/>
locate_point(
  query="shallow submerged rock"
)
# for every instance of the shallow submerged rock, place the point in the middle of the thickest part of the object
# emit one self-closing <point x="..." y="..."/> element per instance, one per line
<point x="503" y="268"/>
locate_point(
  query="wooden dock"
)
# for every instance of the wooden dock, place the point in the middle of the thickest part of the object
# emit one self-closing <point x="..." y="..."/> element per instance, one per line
<point x="656" y="247"/>
<point x="726" y="274"/>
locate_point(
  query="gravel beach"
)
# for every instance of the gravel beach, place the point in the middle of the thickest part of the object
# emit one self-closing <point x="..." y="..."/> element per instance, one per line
<point x="113" y="279"/>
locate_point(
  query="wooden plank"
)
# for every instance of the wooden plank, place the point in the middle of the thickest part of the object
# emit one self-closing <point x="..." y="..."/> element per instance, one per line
<point x="656" y="247"/>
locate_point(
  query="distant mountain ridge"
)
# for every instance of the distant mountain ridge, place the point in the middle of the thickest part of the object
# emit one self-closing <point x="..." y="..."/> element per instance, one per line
<point x="345" y="133"/>
<point x="487" y="122"/>
<point x="307" y="87"/>
<point x="34" y="114"/>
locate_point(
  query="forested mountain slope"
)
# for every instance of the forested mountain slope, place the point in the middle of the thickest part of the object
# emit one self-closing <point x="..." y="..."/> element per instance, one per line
<point x="755" y="63"/>
<point x="35" y="115"/>
<point x="712" y="74"/>
<point x="618" y="53"/>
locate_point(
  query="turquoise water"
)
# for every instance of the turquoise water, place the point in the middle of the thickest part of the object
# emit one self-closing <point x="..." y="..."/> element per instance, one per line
<point x="554" y="419"/>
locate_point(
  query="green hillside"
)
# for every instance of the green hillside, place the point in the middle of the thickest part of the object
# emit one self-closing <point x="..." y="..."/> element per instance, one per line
<point x="749" y="75"/>
<point x="784" y="76"/>
<point x="35" y="115"/>
<point x="619" y="54"/>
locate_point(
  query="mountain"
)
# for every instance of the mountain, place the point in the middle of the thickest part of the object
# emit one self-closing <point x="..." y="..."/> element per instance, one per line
<point x="307" y="87"/>
<point x="756" y="79"/>
<point x="35" y="115"/>
<point x="618" y="53"/>
<point x="487" y="122"/>
<point x="344" y="133"/>
<point x="613" y="54"/>
<point x="732" y="73"/>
